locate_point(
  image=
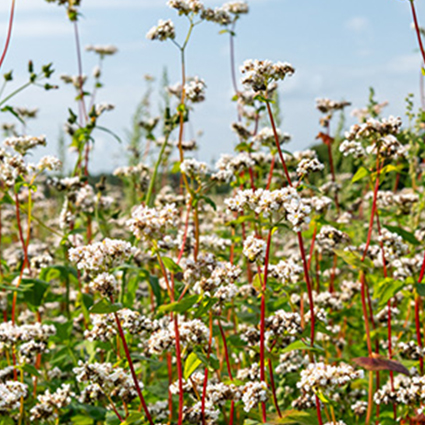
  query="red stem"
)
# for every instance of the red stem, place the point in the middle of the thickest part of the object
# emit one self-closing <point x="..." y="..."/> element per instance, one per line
<point x="263" y="319"/>
<point x="274" y="388"/>
<point x="418" y="33"/>
<point x="133" y="372"/>
<point x="9" y="33"/>
<point x="179" y="369"/>
<point x="285" y="168"/>
<point x="229" y="369"/>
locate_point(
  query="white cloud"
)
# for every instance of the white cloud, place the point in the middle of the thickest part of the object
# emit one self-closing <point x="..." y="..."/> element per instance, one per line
<point x="357" y="24"/>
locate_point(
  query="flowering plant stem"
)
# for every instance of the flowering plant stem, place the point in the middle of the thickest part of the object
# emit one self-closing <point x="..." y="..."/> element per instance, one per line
<point x="9" y="32"/>
<point x="417" y="29"/>
<point x="130" y="364"/>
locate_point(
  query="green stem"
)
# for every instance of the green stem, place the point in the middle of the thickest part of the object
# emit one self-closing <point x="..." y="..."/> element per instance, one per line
<point x="155" y="171"/>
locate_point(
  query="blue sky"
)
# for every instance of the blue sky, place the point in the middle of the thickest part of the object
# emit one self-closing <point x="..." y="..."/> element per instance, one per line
<point x="339" y="49"/>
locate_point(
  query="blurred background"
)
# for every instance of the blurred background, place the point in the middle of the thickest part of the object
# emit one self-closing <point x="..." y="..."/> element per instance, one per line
<point x="339" y="48"/>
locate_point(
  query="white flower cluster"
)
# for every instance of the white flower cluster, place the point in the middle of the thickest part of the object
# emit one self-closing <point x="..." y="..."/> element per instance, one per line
<point x="219" y="15"/>
<point x="193" y="168"/>
<point x="148" y="222"/>
<point x="411" y="350"/>
<point x="49" y="403"/>
<point x="286" y="200"/>
<point x="394" y="247"/>
<point x="101" y="256"/>
<point x="49" y="162"/>
<point x="287" y="271"/>
<point x="307" y="166"/>
<point x="254" y="393"/>
<point x="374" y="128"/>
<point x="185" y="7"/>
<point x="163" y="31"/>
<point x="228" y="166"/>
<point x="141" y="171"/>
<point x="352" y="147"/>
<point x="407" y="391"/>
<point x="11" y="393"/>
<point x="193" y="415"/>
<point x="103" y="325"/>
<point x="326" y="377"/>
<point x="11" y="167"/>
<point x="241" y="130"/>
<point x="336" y="423"/>
<point x="236" y="7"/>
<point x="359" y="408"/>
<point x="254" y="248"/>
<point x="327" y="106"/>
<point x="100" y="108"/>
<point x="10" y="333"/>
<point x="105" y="284"/>
<point x="192" y="332"/>
<point x="111" y="379"/>
<point x="259" y="73"/>
<point x="291" y="362"/>
<point x="266" y="137"/>
<point x="195" y="89"/>
<point x="282" y="322"/>
<point x="389" y="147"/>
<point x="221" y="282"/>
<point x="22" y="144"/>
<point x="106" y="50"/>
<point x="329" y="238"/>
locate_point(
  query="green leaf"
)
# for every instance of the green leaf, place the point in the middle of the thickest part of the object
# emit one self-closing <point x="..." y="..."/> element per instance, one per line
<point x="35" y="293"/>
<point x="180" y="306"/>
<point x="133" y="416"/>
<point x="29" y="368"/>
<point x="360" y="174"/>
<point x="210" y="202"/>
<point x="210" y="362"/>
<point x="407" y="236"/>
<point x="103" y="307"/>
<point x="386" y="290"/>
<point x="191" y="364"/>
<point x="420" y="288"/>
<point x="156" y="289"/>
<point x="354" y="259"/>
<point x="171" y="265"/>
<point x="300" y="345"/>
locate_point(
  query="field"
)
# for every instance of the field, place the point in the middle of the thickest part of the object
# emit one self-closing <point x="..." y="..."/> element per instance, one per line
<point x="276" y="287"/>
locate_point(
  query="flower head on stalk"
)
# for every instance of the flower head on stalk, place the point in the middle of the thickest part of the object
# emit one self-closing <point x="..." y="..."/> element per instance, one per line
<point x="258" y="74"/>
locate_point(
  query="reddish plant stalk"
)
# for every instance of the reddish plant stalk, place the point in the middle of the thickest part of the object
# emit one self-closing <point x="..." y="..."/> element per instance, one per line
<point x="170" y="381"/>
<point x="300" y="239"/>
<point x="269" y="180"/>
<point x="331" y="164"/>
<point x="363" y="287"/>
<point x="417" y="29"/>
<point x="229" y="369"/>
<point x="274" y="388"/>
<point x="25" y="263"/>
<point x="133" y="372"/>
<point x="309" y="288"/>
<point x="319" y="413"/>
<point x="282" y="159"/>
<point x="179" y="369"/>
<point x="186" y="227"/>
<point x="417" y="316"/>
<point x="204" y="389"/>
<point x="313" y="240"/>
<point x="390" y="350"/>
<point x="263" y="320"/>
<point x="9" y="32"/>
